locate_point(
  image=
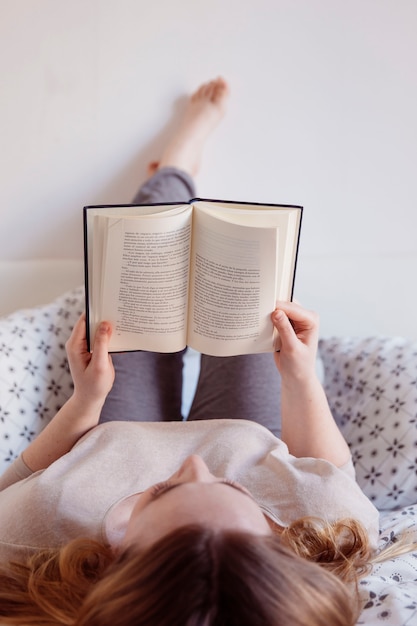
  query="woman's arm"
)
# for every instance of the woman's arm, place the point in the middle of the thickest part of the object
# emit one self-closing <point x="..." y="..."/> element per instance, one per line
<point x="93" y="377"/>
<point x="308" y="427"/>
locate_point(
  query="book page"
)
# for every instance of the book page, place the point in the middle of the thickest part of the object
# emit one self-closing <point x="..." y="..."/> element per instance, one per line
<point x="232" y="287"/>
<point x="285" y="218"/>
<point x="96" y="261"/>
<point x="145" y="290"/>
<point x="95" y="236"/>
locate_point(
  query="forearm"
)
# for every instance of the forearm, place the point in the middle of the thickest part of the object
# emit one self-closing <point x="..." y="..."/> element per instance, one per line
<point x="71" y="422"/>
<point x="93" y="376"/>
<point x="308" y="427"/>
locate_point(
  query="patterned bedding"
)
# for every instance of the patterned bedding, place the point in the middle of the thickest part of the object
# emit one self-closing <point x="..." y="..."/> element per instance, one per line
<point x="371" y="384"/>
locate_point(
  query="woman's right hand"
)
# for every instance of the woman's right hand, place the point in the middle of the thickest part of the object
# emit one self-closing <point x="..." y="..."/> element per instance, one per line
<point x="308" y="427"/>
<point x="298" y="330"/>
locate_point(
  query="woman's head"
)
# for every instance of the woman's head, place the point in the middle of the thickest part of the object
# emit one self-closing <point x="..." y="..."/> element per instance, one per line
<point x="196" y="576"/>
<point x="193" y="495"/>
<point x="198" y="551"/>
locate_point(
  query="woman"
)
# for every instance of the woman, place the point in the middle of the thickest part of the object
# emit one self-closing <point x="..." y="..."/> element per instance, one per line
<point x="146" y="519"/>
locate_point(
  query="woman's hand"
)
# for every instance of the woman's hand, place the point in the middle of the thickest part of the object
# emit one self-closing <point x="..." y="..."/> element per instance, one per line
<point x="308" y="427"/>
<point x="93" y="377"/>
<point x="298" y="330"/>
<point x="92" y="373"/>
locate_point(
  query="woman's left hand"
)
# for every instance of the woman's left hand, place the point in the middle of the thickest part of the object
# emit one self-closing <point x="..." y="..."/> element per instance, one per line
<point x="92" y="373"/>
<point x="93" y="376"/>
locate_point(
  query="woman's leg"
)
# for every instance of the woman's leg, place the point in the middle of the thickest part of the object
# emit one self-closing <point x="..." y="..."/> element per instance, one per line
<point x="239" y="387"/>
<point x="168" y="184"/>
<point x="148" y="385"/>
<point x="147" y="388"/>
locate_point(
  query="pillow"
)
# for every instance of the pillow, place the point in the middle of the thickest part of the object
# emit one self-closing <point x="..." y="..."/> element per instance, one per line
<point x="371" y="386"/>
<point x="388" y="591"/>
<point x="34" y="376"/>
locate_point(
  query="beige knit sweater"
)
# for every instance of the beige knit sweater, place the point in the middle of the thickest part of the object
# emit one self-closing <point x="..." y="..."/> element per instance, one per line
<point x="78" y="494"/>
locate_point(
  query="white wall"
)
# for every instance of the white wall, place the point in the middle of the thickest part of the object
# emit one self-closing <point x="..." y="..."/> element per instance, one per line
<point x="323" y="113"/>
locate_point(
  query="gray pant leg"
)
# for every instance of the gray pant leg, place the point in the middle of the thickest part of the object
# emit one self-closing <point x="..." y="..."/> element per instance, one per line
<point x="239" y="387"/>
<point x="148" y="385"/>
<point x="147" y="388"/>
<point x="166" y="185"/>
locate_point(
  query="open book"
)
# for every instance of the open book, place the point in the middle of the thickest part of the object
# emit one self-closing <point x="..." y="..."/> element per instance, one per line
<point x="204" y="274"/>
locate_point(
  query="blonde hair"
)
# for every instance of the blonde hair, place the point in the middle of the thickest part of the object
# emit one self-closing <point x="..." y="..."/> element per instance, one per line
<point x="195" y="577"/>
<point x="341" y="547"/>
<point x="50" y="587"/>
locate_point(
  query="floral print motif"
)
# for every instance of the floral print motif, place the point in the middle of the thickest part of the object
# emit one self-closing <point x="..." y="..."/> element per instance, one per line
<point x="376" y="410"/>
<point x="34" y="373"/>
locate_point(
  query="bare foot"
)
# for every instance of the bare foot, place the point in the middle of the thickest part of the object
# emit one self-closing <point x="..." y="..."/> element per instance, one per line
<point x="204" y="111"/>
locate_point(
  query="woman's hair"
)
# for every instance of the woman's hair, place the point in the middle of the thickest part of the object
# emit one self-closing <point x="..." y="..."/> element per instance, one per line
<point x="306" y="576"/>
<point x="341" y="547"/>
<point x="198" y="577"/>
<point x="51" y="586"/>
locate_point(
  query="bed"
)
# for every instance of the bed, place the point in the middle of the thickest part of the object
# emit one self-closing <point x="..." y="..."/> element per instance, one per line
<point x="371" y="384"/>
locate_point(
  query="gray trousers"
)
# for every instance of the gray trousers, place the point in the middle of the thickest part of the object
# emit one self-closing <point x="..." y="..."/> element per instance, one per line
<point x="148" y="385"/>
